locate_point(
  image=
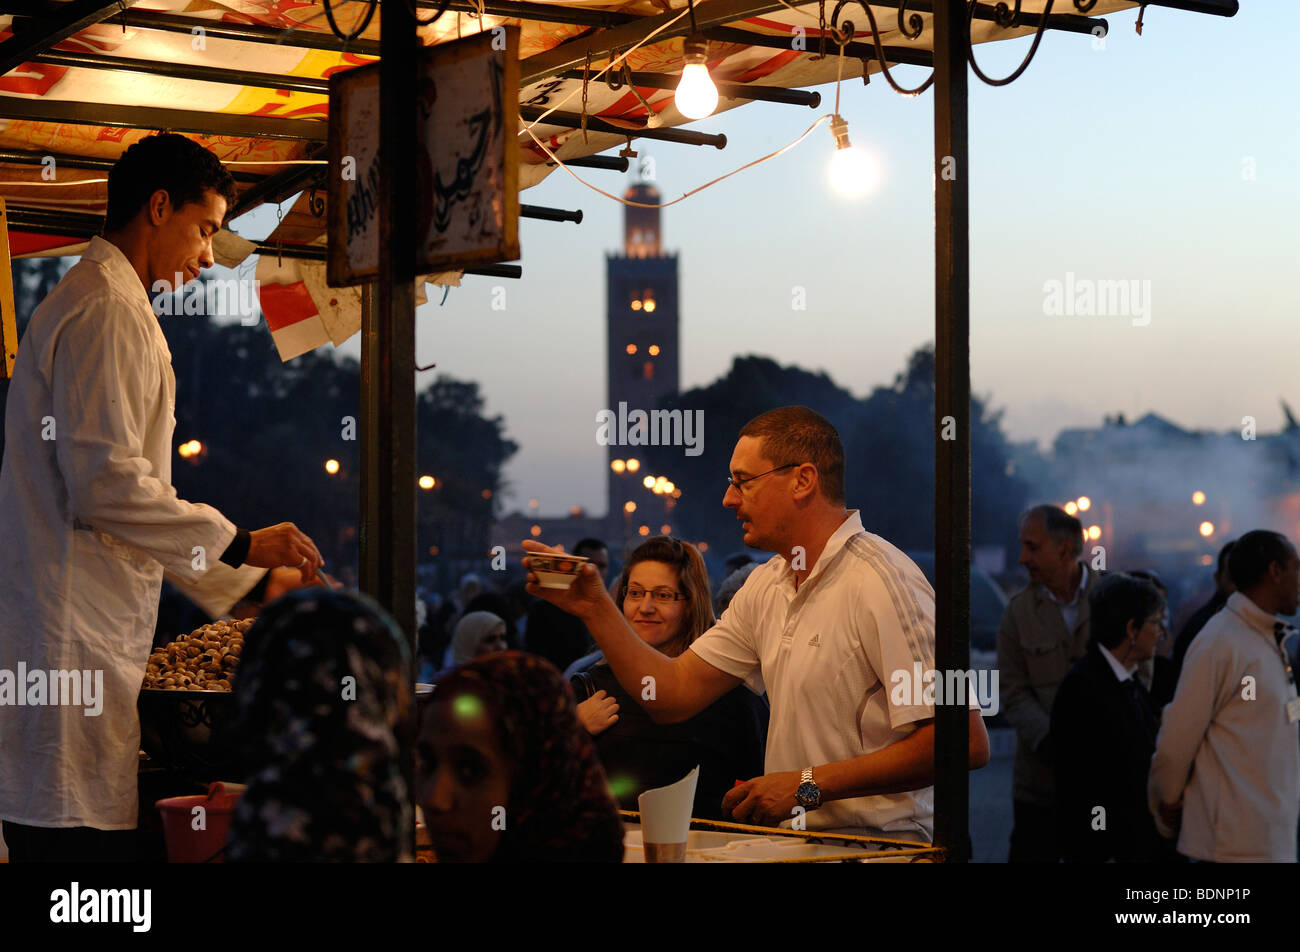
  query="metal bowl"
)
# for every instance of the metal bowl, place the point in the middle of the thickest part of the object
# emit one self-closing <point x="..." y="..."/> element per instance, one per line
<point x="190" y="732"/>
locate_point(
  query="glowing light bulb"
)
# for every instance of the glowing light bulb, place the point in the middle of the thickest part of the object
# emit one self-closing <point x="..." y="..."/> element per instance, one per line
<point x="1071" y="508"/>
<point x="427" y="482"/>
<point x="633" y="465"/>
<point x="1198" y="498"/>
<point x="331" y="466"/>
<point x="648" y="482"/>
<point x="1084" y="503"/>
<point x="696" y="96"/>
<point x="1207" y="529"/>
<point x="853" y="173"/>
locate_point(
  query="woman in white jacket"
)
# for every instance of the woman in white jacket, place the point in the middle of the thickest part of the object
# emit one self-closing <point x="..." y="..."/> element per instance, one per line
<point x="92" y="523"/>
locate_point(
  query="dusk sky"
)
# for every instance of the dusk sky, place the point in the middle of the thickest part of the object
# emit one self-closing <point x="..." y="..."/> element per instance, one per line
<point x="1132" y="163"/>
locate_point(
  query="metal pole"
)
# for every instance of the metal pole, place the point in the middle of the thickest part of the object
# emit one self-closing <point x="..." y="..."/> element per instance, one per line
<point x="388" y="403"/>
<point x="952" y="399"/>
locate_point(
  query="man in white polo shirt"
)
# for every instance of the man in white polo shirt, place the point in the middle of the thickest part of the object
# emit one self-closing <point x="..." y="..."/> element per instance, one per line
<point x="823" y="627"/>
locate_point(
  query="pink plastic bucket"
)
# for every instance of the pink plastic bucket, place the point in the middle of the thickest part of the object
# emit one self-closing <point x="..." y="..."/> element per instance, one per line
<point x="185" y="844"/>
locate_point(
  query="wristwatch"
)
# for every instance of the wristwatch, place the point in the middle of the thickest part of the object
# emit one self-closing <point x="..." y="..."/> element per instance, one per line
<point x="808" y="795"/>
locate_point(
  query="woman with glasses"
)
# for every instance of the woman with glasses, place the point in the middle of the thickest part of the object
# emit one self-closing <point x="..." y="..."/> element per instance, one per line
<point x="664" y="593"/>
<point x="1104" y="730"/>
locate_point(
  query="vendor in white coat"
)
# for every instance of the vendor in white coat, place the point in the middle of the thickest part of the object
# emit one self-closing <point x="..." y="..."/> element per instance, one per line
<point x="92" y="523"/>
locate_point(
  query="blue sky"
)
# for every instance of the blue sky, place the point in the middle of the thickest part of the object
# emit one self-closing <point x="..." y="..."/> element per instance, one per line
<point x="1128" y="163"/>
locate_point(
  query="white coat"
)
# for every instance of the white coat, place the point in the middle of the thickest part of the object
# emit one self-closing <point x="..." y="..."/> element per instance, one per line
<point x="91" y="525"/>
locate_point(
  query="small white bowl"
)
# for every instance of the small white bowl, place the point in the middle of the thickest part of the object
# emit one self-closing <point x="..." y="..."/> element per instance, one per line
<point x="555" y="570"/>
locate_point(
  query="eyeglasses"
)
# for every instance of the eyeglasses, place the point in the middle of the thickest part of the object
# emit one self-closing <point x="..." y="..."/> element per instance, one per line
<point x="661" y="595"/>
<point x="737" y="483"/>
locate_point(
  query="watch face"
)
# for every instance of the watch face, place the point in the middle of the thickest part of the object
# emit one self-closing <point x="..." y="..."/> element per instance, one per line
<point x="808" y="793"/>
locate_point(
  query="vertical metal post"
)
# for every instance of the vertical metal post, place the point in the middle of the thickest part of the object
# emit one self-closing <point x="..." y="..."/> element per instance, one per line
<point x="388" y="400"/>
<point x="952" y="399"/>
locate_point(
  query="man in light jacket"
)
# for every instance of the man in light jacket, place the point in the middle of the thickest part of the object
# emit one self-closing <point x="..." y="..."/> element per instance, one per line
<point x="1227" y="761"/>
<point x="1044" y="631"/>
<point x="92" y="522"/>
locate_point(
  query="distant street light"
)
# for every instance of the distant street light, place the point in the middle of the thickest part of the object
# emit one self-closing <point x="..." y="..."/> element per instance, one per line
<point x="332" y="467"/>
<point x="1094" y="532"/>
<point x="1198" y="498"/>
<point x="633" y="465"/>
<point x="427" y="482"/>
<point x="1084" y="503"/>
<point x="1071" y="508"/>
<point x="1207" y="529"/>
<point x="618" y="466"/>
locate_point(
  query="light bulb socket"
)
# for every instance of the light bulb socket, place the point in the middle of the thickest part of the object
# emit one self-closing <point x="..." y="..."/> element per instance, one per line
<point x="840" y="130"/>
<point x="695" y="50"/>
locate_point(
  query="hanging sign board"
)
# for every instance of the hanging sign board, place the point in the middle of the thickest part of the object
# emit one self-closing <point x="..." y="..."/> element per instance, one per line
<point x="468" y="168"/>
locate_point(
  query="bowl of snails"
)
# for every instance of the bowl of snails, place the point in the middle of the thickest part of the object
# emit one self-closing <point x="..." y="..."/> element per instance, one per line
<point x="186" y="705"/>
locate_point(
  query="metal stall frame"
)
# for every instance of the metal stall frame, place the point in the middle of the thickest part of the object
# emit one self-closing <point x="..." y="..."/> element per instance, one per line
<point x="388" y="434"/>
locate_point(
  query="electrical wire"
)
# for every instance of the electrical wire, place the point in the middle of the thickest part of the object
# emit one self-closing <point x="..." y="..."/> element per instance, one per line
<point x="613" y="62"/>
<point x="686" y="195"/>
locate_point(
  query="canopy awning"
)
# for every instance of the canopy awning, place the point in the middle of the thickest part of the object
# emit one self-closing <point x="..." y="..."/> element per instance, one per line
<point x="249" y="80"/>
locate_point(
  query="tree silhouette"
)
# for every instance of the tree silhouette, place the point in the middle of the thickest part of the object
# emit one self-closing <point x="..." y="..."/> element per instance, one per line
<point x="888" y="443"/>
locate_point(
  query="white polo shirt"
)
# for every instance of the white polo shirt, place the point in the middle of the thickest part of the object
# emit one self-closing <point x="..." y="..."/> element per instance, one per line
<point x="825" y="656"/>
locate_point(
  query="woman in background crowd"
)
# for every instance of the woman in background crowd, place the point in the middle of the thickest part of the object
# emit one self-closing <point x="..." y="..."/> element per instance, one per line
<point x="477" y="634"/>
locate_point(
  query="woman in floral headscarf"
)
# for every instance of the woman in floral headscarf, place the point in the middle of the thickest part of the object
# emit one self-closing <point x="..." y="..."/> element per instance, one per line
<point x="322" y="693"/>
<point x="507" y="774"/>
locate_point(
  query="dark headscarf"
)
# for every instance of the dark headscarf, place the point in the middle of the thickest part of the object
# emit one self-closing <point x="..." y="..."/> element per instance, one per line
<point x="560" y="808"/>
<point x="324" y="778"/>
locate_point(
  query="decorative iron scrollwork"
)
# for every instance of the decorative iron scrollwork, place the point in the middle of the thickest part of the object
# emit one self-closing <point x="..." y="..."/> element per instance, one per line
<point x="1006" y="18"/>
<point x="914" y="23"/>
<point x="315" y="203"/>
<point x="910" y="26"/>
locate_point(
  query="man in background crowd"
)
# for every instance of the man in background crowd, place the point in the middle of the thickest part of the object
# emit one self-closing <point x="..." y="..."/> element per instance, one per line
<point x="1044" y="632"/>
<point x="1226" y="771"/>
<point x="553" y="633"/>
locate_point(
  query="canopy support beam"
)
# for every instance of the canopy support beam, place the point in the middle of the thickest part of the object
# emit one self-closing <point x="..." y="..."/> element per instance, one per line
<point x="780" y="94"/>
<point x="574" y="53"/>
<point x="571" y="120"/>
<point x="40" y="35"/>
<point x="172" y="120"/>
<point x="951" y="400"/>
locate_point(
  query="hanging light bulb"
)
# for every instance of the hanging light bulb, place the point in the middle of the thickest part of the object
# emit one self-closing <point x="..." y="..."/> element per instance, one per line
<point x="853" y="174"/>
<point x="696" y="97"/>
